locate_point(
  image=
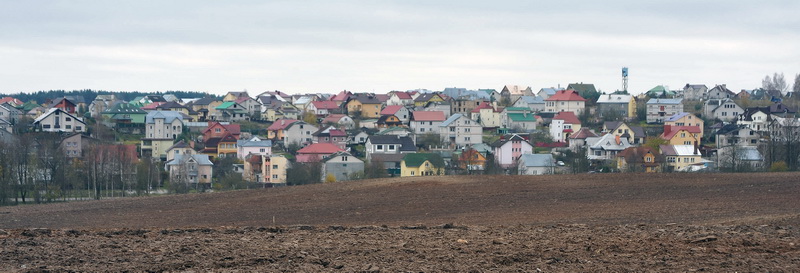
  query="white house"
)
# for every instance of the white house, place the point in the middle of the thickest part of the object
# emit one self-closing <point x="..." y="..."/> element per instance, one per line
<point x="299" y="132"/>
<point x="461" y="131"/>
<point x="723" y="109"/>
<point x="606" y="147"/>
<point x="508" y="151"/>
<point x="161" y="129"/>
<point x="424" y="122"/>
<point x="563" y="125"/>
<point x="536" y="104"/>
<point x="536" y="164"/>
<point x="254" y="145"/>
<point x="660" y="109"/>
<point x="57" y="120"/>
<point x="565" y="101"/>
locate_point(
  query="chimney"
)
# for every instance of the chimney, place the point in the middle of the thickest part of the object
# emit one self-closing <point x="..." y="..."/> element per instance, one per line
<point x="667" y="129"/>
<point x="696" y="148"/>
<point x="283" y="122"/>
<point x="616" y="138"/>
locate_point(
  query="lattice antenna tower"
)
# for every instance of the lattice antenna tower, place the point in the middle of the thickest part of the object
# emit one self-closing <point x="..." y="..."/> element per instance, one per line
<point x="625" y="79"/>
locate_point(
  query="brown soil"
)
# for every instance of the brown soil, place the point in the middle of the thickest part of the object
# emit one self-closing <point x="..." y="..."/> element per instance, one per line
<point x="619" y="222"/>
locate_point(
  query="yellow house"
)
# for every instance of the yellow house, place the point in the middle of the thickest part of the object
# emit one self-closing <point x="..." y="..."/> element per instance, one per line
<point x="367" y="104"/>
<point x="424" y="99"/>
<point x="276" y="131"/>
<point x="639" y="159"/>
<point x="421" y="164"/>
<point x="684" y="119"/>
<point x="227" y="147"/>
<point x="682" y="135"/>
<point x="635" y="135"/>
<point x="681" y="157"/>
<point x="233" y="96"/>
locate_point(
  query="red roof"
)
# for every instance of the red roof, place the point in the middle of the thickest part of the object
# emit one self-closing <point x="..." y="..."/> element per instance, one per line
<point x="566" y="95"/>
<point x="234" y="129"/>
<point x="382" y="97"/>
<point x="342" y="96"/>
<point x="152" y="106"/>
<point x="671" y="131"/>
<point x="320" y="148"/>
<point x="567" y="131"/>
<point x="281" y="124"/>
<point x="11" y="101"/>
<point x="391" y="110"/>
<point x="583" y="133"/>
<point x="337" y="132"/>
<point x="334" y="118"/>
<point x="483" y="105"/>
<point x="567" y="117"/>
<point x="428" y="116"/>
<point x="328" y="104"/>
<point x="402" y="95"/>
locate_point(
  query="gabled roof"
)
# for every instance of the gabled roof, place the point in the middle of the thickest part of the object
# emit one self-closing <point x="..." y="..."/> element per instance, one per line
<point x="548" y="91"/>
<point x="679" y="150"/>
<point x="319" y="148"/>
<point x="327" y="104"/>
<point x="537" y="160"/>
<point x="12" y="101"/>
<point x="168" y="116"/>
<point x="416" y="159"/>
<point x="451" y="119"/>
<point x="234" y="129"/>
<point x="532" y="99"/>
<point x="636" y="155"/>
<point x="391" y="109"/>
<point x="333" y="118"/>
<point x="677" y="116"/>
<point x="426" y="97"/>
<point x="671" y="131"/>
<point x="566" y="95"/>
<point x="227" y="105"/>
<point x="124" y="108"/>
<point x="582" y="87"/>
<point x="179" y="145"/>
<point x="365" y="98"/>
<point x="339" y="154"/>
<point x="609" y="142"/>
<point x="427" y="116"/>
<point x="583" y="133"/>
<point x="405" y="142"/>
<point x="281" y="124"/>
<point x="204" y="101"/>
<point x="152" y="106"/>
<point x="201" y="160"/>
<point x="402" y="95"/>
<point x="521" y="117"/>
<point x="228" y="138"/>
<point x="567" y="117"/>
<point x="482" y="105"/>
<point x="254" y="142"/>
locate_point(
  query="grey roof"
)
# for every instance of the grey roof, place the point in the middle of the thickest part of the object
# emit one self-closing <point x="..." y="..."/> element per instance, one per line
<point x="533" y="99"/>
<point x="254" y="143"/>
<point x="406" y="143"/>
<point x="665" y="101"/>
<point x="451" y="119"/>
<point x="537" y="160"/>
<point x="200" y="158"/>
<point x="168" y="116"/>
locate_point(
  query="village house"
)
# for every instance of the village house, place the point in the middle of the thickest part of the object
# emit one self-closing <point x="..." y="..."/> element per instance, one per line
<point x="180" y="148"/>
<point x="424" y="122"/>
<point x="298" y="133"/>
<point x="161" y="129"/>
<point x="363" y="105"/>
<point x="682" y="135"/>
<point x="230" y="111"/>
<point x="681" y="157"/>
<point x="193" y="170"/>
<point x="722" y="109"/>
<point x="605" y="147"/>
<point x="536" y="164"/>
<point x="331" y="134"/>
<point x="694" y="91"/>
<point x="10" y="113"/>
<point x="639" y="159"/>
<point x="487" y="115"/>
<point x="341" y="166"/>
<point x="684" y="119"/>
<point x="634" y="134"/>
<point x="254" y="145"/>
<point x="621" y="106"/>
<point x="534" y="103"/>
<point x="322" y="108"/>
<point x="315" y="152"/>
<point x="389" y="144"/>
<point x="339" y="120"/>
<point x="660" y="109"/>
<point x="422" y="164"/>
<point x="508" y="151"/>
<point x="399" y="111"/>
<point x="460" y="131"/>
<point x="577" y="140"/>
<point x="58" y="120"/>
<point x="735" y="134"/>
<point x="565" y="101"/>
<point x="518" y="119"/>
<point x="720" y="92"/>
<point x="270" y="170"/>
<point x="399" y="98"/>
<point x="511" y="93"/>
<point x="563" y="125"/>
<point x="425" y="99"/>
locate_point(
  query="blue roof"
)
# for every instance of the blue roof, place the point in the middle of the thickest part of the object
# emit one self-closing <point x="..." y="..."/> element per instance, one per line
<point x="451" y="119"/>
<point x="677" y="116"/>
<point x="537" y="160"/>
<point x="200" y="158"/>
<point x="532" y="99"/>
<point x="549" y="91"/>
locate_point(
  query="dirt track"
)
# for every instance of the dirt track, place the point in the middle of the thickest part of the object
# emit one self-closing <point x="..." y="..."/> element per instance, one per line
<point x="664" y="222"/>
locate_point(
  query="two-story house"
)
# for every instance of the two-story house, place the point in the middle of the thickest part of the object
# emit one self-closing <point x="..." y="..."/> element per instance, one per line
<point x="424" y="122"/>
<point x="605" y="147"/>
<point x="299" y="133"/>
<point x="58" y="120"/>
<point x="331" y="134"/>
<point x="535" y="103"/>
<point x="694" y="91"/>
<point x="639" y="159"/>
<point x="508" y="151"/>
<point x="682" y="135"/>
<point x="518" y="119"/>
<point x="722" y="109"/>
<point x="195" y="171"/>
<point x="487" y="115"/>
<point x="422" y="164"/>
<point x="536" y="164"/>
<point x="276" y="131"/>
<point x="680" y="157"/>
<point x="401" y="112"/>
<point x="563" y="125"/>
<point x="634" y="134"/>
<point x="341" y="166"/>
<point x="389" y="144"/>
<point x="315" y="152"/>
<point x="565" y="101"/>
<point x="363" y="105"/>
<point x="322" y="108"/>
<point x="684" y="119"/>
<point x="720" y="92"/>
<point x="254" y="145"/>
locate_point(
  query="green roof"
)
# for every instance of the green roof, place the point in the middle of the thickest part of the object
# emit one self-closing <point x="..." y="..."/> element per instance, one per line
<point x="517" y="109"/>
<point x="29" y="106"/>
<point x="416" y="159"/>
<point x="225" y="105"/>
<point x="517" y="117"/>
<point x="582" y="87"/>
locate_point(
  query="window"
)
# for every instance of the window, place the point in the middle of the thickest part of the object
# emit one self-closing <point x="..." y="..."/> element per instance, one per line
<point x="68" y="119"/>
<point x="379" y="147"/>
<point x="263" y="150"/>
<point x="274" y="176"/>
<point x="391" y="147"/>
<point x="274" y="167"/>
<point x="412" y="172"/>
<point x="46" y="126"/>
<point x="217" y="130"/>
<point x="68" y="126"/>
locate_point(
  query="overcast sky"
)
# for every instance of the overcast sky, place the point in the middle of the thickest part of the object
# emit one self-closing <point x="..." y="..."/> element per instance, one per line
<point x="379" y="46"/>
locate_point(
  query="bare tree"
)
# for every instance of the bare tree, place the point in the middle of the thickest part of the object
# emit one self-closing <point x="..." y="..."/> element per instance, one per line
<point x="776" y="82"/>
<point x="796" y="87"/>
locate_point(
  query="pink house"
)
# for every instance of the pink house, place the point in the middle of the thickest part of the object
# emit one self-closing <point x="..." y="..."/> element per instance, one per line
<point x="508" y="151"/>
<point x="316" y="152"/>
